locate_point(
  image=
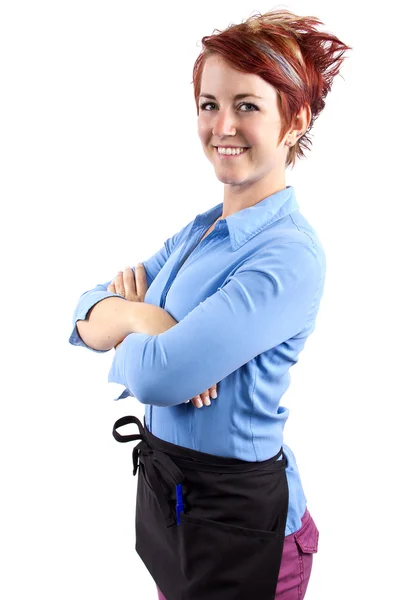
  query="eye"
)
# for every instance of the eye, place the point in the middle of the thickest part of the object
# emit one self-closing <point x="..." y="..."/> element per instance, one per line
<point x="203" y="106"/>
<point x="249" y="104"/>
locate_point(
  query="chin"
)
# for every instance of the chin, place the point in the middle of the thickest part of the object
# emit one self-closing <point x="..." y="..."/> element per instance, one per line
<point x="231" y="180"/>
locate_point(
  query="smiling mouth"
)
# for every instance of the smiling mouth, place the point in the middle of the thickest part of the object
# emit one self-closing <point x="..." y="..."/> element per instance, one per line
<point x="243" y="150"/>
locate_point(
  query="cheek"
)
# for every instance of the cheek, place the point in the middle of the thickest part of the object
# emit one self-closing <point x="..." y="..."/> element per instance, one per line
<point x="201" y="131"/>
<point x="203" y="127"/>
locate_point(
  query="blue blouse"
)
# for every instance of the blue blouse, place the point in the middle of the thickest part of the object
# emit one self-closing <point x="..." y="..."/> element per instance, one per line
<point x="246" y="299"/>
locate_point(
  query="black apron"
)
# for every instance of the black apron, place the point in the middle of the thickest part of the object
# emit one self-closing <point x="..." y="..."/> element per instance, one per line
<point x="207" y="527"/>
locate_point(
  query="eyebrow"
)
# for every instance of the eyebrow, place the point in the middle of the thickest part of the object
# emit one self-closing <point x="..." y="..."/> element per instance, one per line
<point x="237" y="97"/>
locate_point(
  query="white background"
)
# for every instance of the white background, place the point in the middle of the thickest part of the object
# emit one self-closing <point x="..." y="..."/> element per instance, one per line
<point x="100" y="164"/>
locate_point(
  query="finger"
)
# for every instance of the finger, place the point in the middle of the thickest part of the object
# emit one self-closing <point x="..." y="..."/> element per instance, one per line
<point x="196" y="401"/>
<point x="119" y="284"/>
<point x="141" y="280"/>
<point x="201" y="400"/>
<point x="129" y="282"/>
<point x="111" y="287"/>
<point x="213" y="391"/>
<point x="205" y="397"/>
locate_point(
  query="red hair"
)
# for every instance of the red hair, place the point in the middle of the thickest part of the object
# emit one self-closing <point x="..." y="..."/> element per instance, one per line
<point x="288" y="52"/>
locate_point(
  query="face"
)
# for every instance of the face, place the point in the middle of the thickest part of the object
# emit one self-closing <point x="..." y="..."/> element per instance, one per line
<point x="252" y="121"/>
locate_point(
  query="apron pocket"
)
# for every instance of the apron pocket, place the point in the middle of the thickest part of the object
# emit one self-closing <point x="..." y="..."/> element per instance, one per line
<point x="143" y="476"/>
<point x="221" y="561"/>
<point x="232" y="529"/>
<point x="143" y="472"/>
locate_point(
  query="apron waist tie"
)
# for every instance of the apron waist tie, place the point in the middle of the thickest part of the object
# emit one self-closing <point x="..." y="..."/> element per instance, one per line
<point x="154" y="460"/>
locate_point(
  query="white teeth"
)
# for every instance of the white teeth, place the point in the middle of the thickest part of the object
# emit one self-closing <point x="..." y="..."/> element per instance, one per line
<point x="231" y="150"/>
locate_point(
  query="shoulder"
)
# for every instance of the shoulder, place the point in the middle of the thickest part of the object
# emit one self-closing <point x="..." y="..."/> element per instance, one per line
<point x="293" y="237"/>
<point x="286" y="259"/>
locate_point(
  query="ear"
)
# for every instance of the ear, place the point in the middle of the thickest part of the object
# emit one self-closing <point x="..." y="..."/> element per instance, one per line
<point x="300" y="125"/>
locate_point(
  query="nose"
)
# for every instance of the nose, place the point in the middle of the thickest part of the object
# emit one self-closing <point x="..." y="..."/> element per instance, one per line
<point x="224" y="124"/>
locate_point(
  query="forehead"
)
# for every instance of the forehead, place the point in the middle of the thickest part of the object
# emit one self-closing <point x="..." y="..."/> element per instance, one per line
<point x="221" y="79"/>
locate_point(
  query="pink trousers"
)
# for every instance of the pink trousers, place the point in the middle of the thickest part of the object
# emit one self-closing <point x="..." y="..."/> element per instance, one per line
<point x="296" y="564"/>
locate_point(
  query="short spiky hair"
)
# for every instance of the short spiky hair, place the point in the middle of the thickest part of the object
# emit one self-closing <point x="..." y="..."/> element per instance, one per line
<point x="288" y="52"/>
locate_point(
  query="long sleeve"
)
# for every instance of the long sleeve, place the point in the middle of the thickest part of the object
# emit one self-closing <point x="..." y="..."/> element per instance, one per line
<point x="263" y="303"/>
<point x="85" y="303"/>
<point x="91" y="297"/>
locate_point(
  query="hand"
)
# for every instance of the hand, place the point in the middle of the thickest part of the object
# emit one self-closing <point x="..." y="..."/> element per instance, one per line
<point x="130" y="287"/>
<point x="198" y="401"/>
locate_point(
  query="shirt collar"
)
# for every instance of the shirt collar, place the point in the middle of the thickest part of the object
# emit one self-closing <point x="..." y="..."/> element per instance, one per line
<point x="248" y="222"/>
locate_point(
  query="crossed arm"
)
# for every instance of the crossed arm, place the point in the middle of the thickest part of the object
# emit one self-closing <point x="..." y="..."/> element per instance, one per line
<point x="112" y="319"/>
<point x="129" y="317"/>
<point x="109" y="321"/>
<point x="261" y="304"/>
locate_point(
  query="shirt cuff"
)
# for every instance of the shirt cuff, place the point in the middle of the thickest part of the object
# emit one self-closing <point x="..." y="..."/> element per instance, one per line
<point x="84" y="305"/>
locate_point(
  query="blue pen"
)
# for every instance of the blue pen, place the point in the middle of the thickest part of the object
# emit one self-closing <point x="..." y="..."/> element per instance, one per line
<point x="179" y="503"/>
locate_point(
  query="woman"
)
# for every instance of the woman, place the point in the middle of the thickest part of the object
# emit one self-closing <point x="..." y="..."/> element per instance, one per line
<point x="220" y="512"/>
